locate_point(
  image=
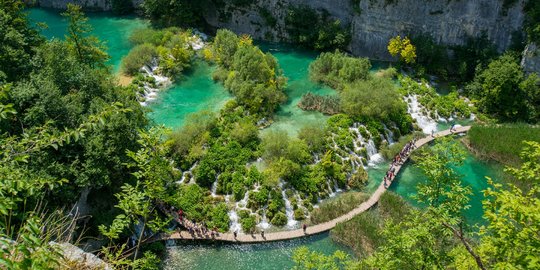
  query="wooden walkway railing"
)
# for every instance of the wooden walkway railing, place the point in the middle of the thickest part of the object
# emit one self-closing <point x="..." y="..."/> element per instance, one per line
<point x="315" y="229"/>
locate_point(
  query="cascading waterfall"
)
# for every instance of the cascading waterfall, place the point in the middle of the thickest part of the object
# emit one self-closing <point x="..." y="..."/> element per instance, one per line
<point x="151" y="91"/>
<point x="187" y="175"/>
<point x="414" y="108"/>
<point x="289" y="212"/>
<point x="214" y="188"/>
<point x="264" y="222"/>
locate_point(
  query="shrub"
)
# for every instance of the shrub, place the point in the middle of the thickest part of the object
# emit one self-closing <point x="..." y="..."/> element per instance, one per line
<point x="248" y="224"/>
<point x="279" y="219"/>
<point x="139" y="56"/>
<point x="337" y="69"/>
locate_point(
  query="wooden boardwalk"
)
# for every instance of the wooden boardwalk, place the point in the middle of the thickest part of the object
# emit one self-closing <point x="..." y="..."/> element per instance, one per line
<point x="315" y="229"/>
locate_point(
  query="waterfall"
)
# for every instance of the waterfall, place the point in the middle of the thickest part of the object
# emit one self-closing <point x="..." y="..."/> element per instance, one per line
<point x="214" y="188"/>
<point x="414" y="108"/>
<point x="374" y="156"/>
<point x="264" y="222"/>
<point x="289" y="212"/>
<point x="389" y="135"/>
<point x="234" y="224"/>
<point x="188" y="175"/>
<point x="151" y="91"/>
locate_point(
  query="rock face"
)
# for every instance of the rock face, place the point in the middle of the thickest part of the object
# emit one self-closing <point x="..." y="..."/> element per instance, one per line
<point x="372" y="22"/>
<point x="530" y="62"/>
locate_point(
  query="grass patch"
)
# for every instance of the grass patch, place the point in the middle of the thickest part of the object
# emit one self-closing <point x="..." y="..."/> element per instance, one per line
<point x="361" y="233"/>
<point x="337" y="206"/>
<point x="502" y="143"/>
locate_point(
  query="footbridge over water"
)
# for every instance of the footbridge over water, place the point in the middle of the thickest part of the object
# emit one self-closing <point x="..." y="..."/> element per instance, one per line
<point x="314" y="229"/>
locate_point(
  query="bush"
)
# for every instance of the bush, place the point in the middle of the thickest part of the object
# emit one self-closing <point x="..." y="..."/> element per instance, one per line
<point x="375" y="98"/>
<point x="248" y="224"/>
<point x="279" y="219"/>
<point x="299" y="214"/>
<point x="139" y="56"/>
<point x="337" y="69"/>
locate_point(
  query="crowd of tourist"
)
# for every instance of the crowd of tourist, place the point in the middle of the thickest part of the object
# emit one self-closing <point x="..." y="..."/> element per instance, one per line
<point x="398" y="160"/>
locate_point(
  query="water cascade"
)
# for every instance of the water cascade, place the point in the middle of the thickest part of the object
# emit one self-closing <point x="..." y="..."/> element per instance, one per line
<point x="417" y="112"/>
<point x="151" y="89"/>
<point x="187" y="175"/>
<point x="289" y="212"/>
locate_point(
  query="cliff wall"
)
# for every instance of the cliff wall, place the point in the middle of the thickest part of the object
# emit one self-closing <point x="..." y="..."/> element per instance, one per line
<point x="372" y="22"/>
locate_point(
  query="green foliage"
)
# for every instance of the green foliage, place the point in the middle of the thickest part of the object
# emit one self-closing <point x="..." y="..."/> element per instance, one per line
<point x="337" y="206"/>
<point x="279" y="219"/>
<point x="172" y="13"/>
<point x="510" y="240"/>
<point x="363" y="232"/>
<point x="170" y="47"/>
<point x="88" y="49"/>
<point x="403" y="48"/>
<point x="277" y="144"/>
<point x="18" y="42"/>
<point x="269" y="19"/>
<point x="445" y="106"/>
<point x="314" y="136"/>
<point x="315" y="30"/>
<point x="532" y="19"/>
<point x="453" y="62"/>
<point x="502" y="90"/>
<point x="137" y="58"/>
<point x="502" y="142"/>
<point x="121" y="7"/>
<point x="251" y="75"/>
<point x="337" y="69"/>
<point x="248" y="224"/>
<point x="306" y="259"/>
<point x="375" y="98"/>
<point x="187" y="142"/>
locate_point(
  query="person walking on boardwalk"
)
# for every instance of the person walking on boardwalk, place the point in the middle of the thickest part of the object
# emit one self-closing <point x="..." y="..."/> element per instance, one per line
<point x="262" y="234"/>
<point x="304" y="227"/>
<point x="235" y="233"/>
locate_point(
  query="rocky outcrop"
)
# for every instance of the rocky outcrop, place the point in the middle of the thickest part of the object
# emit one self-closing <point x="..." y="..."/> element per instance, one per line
<point x="76" y="258"/>
<point x="372" y="22"/>
<point x="530" y="62"/>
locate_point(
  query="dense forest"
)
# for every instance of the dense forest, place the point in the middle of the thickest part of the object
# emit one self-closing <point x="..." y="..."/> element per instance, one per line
<point x="81" y="162"/>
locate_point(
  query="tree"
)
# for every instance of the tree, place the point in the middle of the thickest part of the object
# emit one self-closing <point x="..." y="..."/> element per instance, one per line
<point x="18" y="41"/>
<point x="502" y="90"/>
<point x="375" y="98"/>
<point x="88" y="49"/>
<point x="403" y="48"/>
<point x="510" y="239"/>
<point x="137" y="201"/>
<point x="306" y="259"/>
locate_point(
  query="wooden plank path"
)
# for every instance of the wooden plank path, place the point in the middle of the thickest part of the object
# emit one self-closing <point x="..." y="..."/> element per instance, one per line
<point x="315" y="229"/>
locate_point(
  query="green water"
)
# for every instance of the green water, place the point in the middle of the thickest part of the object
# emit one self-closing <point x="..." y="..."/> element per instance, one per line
<point x="295" y="65"/>
<point x="473" y="173"/>
<point x="266" y="256"/>
<point x="196" y="92"/>
<point x="113" y="30"/>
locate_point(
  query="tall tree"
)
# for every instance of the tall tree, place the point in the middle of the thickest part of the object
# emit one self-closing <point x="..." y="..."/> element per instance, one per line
<point x="87" y="48"/>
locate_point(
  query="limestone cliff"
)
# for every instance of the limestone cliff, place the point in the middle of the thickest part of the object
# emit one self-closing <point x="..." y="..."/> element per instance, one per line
<point x="372" y="22"/>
